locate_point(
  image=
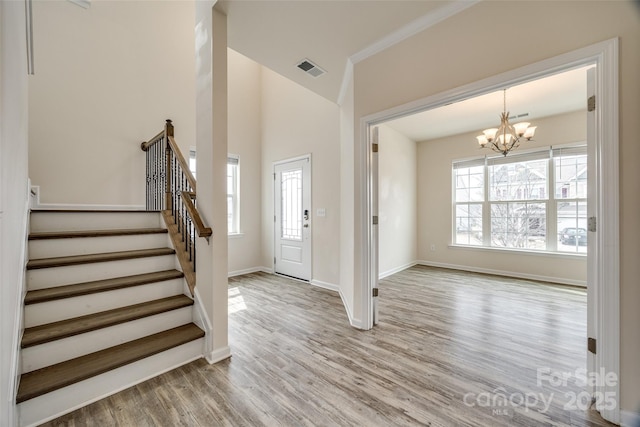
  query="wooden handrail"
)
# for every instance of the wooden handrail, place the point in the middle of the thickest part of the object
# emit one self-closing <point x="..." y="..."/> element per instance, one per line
<point x="187" y="198"/>
<point x="171" y="188"/>
<point x="145" y="145"/>
<point x="183" y="163"/>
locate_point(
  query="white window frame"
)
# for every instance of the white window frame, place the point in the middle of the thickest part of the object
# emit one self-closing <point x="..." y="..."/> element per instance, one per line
<point x="550" y="202"/>
<point x="234" y="228"/>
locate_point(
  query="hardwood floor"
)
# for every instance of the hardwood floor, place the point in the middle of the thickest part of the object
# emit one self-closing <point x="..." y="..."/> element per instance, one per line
<point x="449" y="344"/>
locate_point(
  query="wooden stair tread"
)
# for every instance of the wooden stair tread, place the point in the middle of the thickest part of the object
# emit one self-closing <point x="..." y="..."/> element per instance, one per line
<point x="102" y="257"/>
<point x="94" y="233"/>
<point x="50" y="378"/>
<point x="65" y="328"/>
<point x="78" y="289"/>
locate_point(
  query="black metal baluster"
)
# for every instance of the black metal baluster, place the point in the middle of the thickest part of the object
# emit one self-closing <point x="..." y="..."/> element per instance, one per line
<point x="146" y="171"/>
<point x="153" y="165"/>
<point x="159" y="177"/>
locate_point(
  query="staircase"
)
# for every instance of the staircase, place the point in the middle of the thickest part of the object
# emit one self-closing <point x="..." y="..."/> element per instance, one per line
<point x="106" y="308"/>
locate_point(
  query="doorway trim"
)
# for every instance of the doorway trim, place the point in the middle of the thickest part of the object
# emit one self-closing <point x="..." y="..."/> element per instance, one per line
<point x="607" y="264"/>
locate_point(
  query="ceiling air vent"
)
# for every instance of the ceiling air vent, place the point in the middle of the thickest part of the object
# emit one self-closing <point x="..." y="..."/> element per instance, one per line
<point x="310" y="68"/>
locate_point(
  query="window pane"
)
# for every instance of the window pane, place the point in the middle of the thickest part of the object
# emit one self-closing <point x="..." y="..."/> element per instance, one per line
<point x="572" y="226"/>
<point x="468" y="224"/>
<point x="230" y="213"/>
<point x="524" y="191"/>
<point x="518" y="181"/>
<point x="518" y="225"/>
<point x="571" y="177"/>
<point x="233" y="214"/>
<point x="291" y="188"/>
<point x="231" y="179"/>
<point x="469" y="184"/>
<point x="192" y="162"/>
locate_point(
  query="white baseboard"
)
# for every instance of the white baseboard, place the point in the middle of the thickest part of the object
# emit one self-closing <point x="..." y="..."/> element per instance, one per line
<point x="356" y="323"/>
<point x="86" y="207"/>
<point x="527" y="276"/>
<point x="18" y="320"/>
<point x="325" y="285"/>
<point x="629" y="419"/>
<point x="201" y="319"/>
<point x="34" y="203"/>
<point x="249" y="271"/>
<point x="220" y="354"/>
<point x="396" y="270"/>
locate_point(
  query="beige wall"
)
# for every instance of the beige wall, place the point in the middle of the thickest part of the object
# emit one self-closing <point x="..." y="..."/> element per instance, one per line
<point x="347" y="202"/>
<point x="106" y="79"/>
<point x="435" y="209"/>
<point x="425" y="65"/>
<point x="397" y="201"/>
<point x="296" y="122"/>
<point x="245" y="138"/>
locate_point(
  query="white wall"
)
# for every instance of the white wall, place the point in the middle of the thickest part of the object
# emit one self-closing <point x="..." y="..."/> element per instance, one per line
<point x="454" y="53"/>
<point x="211" y="152"/>
<point x="347" y="203"/>
<point x="13" y="197"/>
<point x="295" y="121"/>
<point x="107" y="78"/>
<point x="397" y="201"/>
<point x="245" y="94"/>
<point x="435" y="206"/>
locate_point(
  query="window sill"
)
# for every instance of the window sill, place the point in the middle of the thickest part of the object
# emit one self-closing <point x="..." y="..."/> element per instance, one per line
<point x="235" y="235"/>
<point x="566" y="255"/>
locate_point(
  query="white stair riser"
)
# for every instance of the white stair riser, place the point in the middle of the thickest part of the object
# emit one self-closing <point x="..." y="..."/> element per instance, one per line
<point x="71" y="221"/>
<point x="67" y="308"/>
<point x="50" y="353"/>
<point x="52" y="405"/>
<point x="58" y="276"/>
<point x="50" y="248"/>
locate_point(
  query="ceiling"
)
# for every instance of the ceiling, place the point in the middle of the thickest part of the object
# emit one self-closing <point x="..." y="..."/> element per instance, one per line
<point x="279" y="34"/>
<point x="331" y="33"/>
<point x="556" y="94"/>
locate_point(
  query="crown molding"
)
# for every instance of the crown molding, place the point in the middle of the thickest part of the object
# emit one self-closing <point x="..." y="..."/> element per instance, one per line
<point x="412" y="28"/>
<point x="85" y="4"/>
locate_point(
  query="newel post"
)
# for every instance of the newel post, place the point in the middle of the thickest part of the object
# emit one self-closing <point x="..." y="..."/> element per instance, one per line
<point x="168" y="132"/>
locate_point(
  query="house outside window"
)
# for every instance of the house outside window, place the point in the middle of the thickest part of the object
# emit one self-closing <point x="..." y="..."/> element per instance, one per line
<point x="233" y="189"/>
<point x="535" y="200"/>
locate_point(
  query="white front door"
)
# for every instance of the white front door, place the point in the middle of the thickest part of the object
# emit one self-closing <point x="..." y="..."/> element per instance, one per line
<point x="292" y="217"/>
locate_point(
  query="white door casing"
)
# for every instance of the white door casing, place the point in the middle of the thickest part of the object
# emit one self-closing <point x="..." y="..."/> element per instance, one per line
<point x="292" y="217"/>
<point x="604" y="272"/>
<point x="592" y="247"/>
<point x="375" y="230"/>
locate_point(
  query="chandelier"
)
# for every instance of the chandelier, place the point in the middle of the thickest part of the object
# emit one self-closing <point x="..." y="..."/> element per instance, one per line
<point x="506" y="137"/>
